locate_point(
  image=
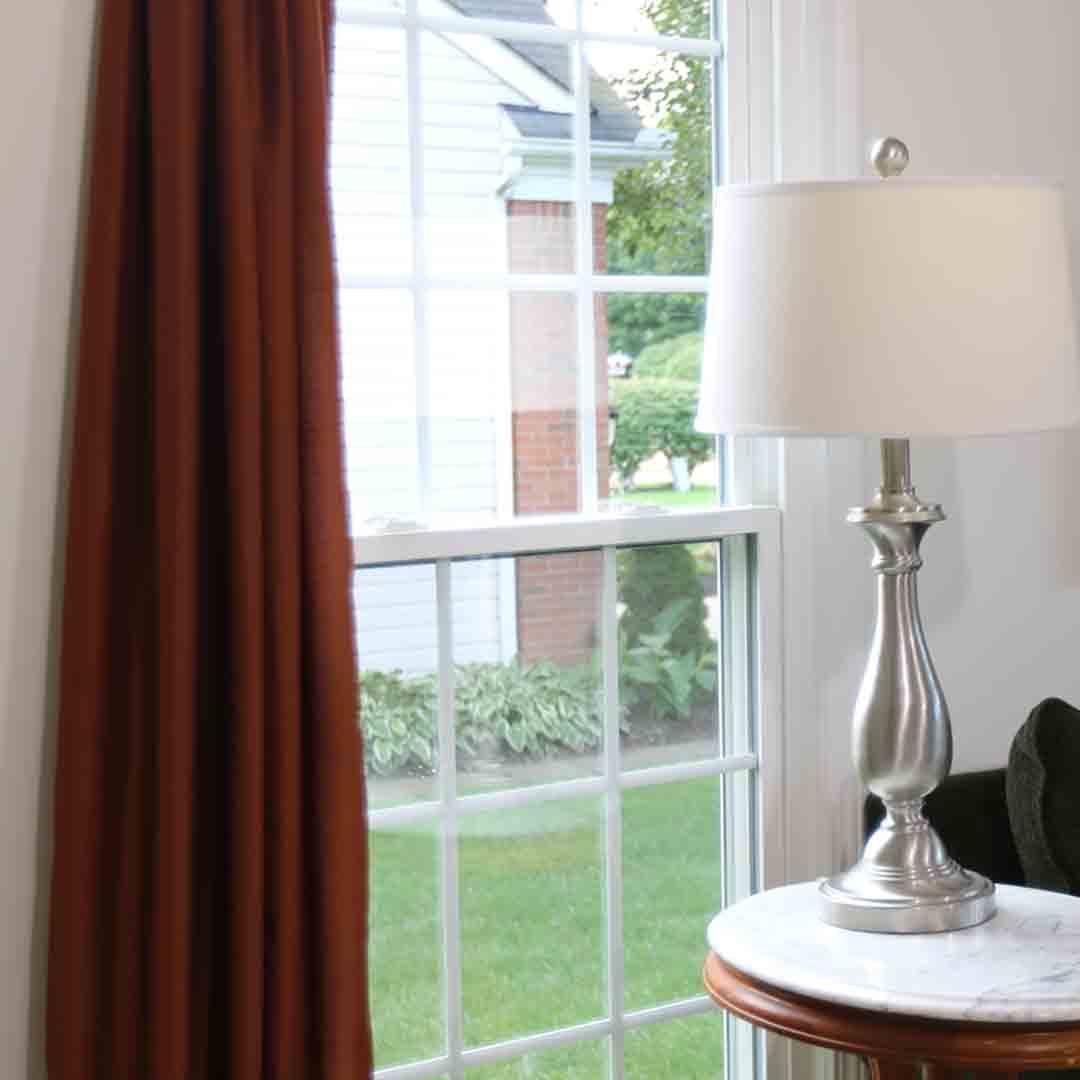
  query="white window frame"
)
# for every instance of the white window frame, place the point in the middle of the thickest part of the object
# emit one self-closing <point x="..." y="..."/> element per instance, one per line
<point x="753" y="688"/>
<point x="794" y="113"/>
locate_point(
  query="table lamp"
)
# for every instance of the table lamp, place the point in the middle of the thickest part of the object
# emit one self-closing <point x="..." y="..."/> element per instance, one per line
<point x="893" y="308"/>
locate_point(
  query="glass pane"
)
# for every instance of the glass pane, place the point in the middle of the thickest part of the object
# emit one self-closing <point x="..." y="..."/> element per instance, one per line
<point x="532" y="923"/>
<point x="681" y="18"/>
<point x="527" y="682"/>
<point x="545" y="399"/>
<point x="378" y="384"/>
<point x="581" y="1061"/>
<point x="669" y="623"/>
<point x="655" y="343"/>
<point x="691" y="1049"/>
<point x="397" y="653"/>
<point x="653" y="174"/>
<point x="672" y="868"/>
<point x="498" y="138"/>
<point x="504" y="403"/>
<point x="406" y="946"/>
<point x="369" y="151"/>
<point x="469" y="369"/>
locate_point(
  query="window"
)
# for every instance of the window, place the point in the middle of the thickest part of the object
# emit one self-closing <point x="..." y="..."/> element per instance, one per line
<point x="568" y="643"/>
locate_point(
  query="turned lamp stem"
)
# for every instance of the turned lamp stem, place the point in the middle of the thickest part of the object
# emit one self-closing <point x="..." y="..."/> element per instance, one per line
<point x="896" y="467"/>
<point x="905" y="882"/>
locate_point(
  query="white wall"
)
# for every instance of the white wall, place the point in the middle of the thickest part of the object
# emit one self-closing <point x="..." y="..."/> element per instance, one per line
<point x="974" y="87"/>
<point x="44" y="78"/>
<point x="991" y="87"/>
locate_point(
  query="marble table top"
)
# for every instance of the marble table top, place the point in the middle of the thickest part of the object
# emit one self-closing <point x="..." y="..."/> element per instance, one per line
<point x="1022" y="966"/>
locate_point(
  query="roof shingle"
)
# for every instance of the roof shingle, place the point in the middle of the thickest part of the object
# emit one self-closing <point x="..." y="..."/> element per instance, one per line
<point x="611" y="119"/>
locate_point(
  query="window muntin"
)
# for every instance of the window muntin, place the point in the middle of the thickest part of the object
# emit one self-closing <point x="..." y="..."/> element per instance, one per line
<point x="556" y="871"/>
<point x="482" y="171"/>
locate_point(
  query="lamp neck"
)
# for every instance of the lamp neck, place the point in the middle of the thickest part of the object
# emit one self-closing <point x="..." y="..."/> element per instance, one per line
<point x="896" y="500"/>
<point x="896" y="467"/>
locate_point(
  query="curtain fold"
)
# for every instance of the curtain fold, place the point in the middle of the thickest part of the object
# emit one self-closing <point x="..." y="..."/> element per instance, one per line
<point x="209" y="897"/>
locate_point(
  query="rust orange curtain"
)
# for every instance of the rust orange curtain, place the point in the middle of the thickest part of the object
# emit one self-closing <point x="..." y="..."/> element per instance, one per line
<point x="209" y="887"/>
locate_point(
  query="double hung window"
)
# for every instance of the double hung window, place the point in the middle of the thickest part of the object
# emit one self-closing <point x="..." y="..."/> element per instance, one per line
<point x="567" y="637"/>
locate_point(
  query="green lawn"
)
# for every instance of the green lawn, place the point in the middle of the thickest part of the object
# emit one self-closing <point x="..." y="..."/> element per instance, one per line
<point x="532" y="929"/>
<point x="666" y="495"/>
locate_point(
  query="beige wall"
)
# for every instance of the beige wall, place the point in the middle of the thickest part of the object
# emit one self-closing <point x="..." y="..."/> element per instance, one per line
<point x="976" y="87"/>
<point x="991" y="87"/>
<point x="44" y="74"/>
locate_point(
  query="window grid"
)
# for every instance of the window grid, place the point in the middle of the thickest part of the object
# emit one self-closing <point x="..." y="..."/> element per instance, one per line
<point x="745" y="651"/>
<point x="592" y="1031"/>
<point x="584" y="283"/>
<point x="511" y="798"/>
<point x="740" y="865"/>
<point x="519" y="282"/>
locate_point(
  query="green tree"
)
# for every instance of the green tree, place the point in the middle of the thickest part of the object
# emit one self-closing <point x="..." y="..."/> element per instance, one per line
<point x="676" y="358"/>
<point x="658" y="221"/>
<point x="656" y="416"/>
<point x="653" y="578"/>
<point x="637" y="321"/>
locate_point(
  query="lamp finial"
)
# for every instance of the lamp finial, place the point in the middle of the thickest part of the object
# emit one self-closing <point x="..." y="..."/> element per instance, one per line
<point x="889" y="156"/>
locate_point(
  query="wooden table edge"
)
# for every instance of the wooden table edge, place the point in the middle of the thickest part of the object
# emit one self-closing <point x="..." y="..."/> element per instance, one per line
<point x="893" y="1037"/>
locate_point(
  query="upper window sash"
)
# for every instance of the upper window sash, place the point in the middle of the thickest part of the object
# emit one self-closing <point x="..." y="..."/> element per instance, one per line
<point x="400" y="543"/>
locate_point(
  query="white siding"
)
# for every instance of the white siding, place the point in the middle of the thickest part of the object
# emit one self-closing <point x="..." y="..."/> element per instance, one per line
<point x="395" y="616"/>
<point x="468" y="336"/>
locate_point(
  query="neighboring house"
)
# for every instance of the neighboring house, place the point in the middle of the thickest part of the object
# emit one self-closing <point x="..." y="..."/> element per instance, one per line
<point x="480" y="416"/>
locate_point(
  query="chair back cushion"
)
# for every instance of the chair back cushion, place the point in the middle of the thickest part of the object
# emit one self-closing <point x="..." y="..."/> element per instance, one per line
<point x="1042" y="787"/>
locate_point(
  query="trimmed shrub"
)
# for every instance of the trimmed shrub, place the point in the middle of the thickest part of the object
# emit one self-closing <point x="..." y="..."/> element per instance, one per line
<point x="656" y="416"/>
<point x="676" y="358"/>
<point x="651" y="580"/>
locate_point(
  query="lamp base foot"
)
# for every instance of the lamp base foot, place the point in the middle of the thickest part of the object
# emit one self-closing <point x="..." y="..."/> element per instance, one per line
<point x="951" y="898"/>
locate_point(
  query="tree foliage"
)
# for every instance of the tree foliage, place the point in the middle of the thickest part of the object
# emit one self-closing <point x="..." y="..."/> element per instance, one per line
<point x="676" y="358"/>
<point x="658" y="221"/>
<point x="656" y="416"/>
<point x="651" y="579"/>
<point x="637" y="321"/>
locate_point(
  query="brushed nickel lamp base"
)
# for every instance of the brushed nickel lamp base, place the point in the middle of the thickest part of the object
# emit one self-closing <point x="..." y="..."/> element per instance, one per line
<point x="905" y="882"/>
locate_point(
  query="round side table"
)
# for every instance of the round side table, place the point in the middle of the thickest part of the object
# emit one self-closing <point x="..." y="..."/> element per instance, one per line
<point x="994" y="999"/>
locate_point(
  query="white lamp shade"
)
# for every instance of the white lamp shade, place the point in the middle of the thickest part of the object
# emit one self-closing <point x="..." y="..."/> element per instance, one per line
<point x="891" y="308"/>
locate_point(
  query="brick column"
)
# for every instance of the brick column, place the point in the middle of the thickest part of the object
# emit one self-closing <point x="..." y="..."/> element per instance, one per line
<point x="557" y="596"/>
